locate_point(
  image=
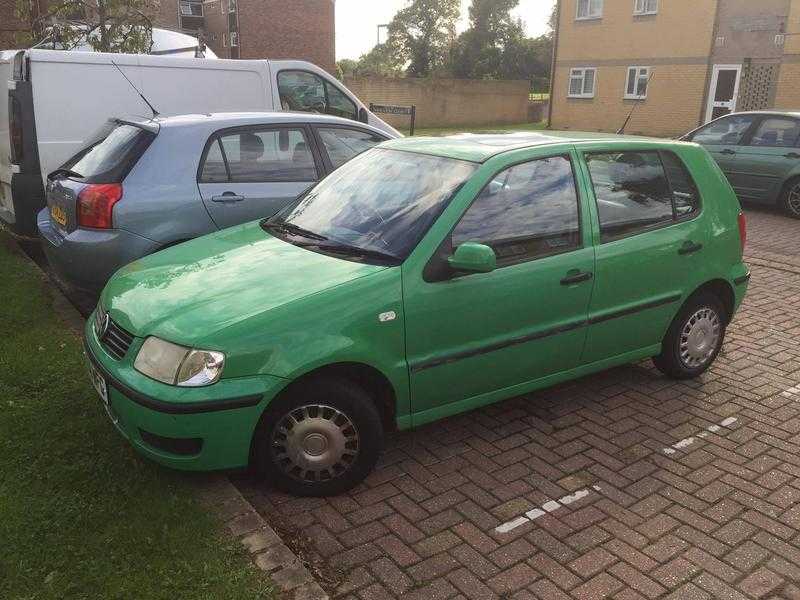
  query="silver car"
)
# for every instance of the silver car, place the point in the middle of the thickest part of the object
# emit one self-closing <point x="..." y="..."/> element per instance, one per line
<point x="145" y="184"/>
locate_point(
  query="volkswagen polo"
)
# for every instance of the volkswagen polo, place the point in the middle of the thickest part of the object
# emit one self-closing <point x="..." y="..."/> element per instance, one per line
<point x="424" y="278"/>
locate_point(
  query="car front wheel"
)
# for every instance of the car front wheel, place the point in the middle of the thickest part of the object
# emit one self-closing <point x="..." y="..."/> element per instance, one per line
<point x="790" y="199"/>
<point x="320" y="438"/>
<point x="694" y="338"/>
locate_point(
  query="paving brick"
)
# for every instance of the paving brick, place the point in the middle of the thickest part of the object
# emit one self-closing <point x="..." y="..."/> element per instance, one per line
<point x="513" y="579"/>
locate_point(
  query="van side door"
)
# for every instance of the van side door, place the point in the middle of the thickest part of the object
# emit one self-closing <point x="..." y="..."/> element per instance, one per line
<point x="248" y="173"/>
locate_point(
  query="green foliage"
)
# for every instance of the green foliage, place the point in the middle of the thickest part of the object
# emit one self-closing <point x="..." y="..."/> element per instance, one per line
<point x="381" y="61"/>
<point x="421" y="35"/>
<point x="105" y="25"/>
<point x="83" y="516"/>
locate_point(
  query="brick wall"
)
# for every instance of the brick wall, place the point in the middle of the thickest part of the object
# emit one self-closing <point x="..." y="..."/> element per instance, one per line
<point x="302" y="29"/>
<point x="447" y="102"/>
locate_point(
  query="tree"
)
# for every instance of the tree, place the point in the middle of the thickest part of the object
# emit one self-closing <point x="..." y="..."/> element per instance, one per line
<point x="422" y="35"/>
<point x="105" y="25"/>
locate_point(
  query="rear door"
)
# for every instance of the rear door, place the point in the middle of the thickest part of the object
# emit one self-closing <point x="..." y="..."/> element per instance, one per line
<point x="723" y="138"/>
<point x="250" y="173"/>
<point x="650" y="246"/>
<point x="339" y="144"/>
<point x="768" y="156"/>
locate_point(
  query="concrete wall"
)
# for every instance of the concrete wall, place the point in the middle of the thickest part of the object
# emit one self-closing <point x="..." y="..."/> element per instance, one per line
<point x="447" y="102"/>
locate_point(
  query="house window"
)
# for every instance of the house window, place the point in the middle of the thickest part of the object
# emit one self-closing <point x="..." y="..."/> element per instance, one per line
<point x="645" y="7"/>
<point x="234" y="39"/>
<point x="582" y="83"/>
<point x="191" y="9"/>
<point x="589" y="9"/>
<point x="636" y="84"/>
<point x="231" y="5"/>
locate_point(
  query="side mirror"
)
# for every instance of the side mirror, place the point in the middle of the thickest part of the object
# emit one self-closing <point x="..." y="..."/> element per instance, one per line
<point x="363" y="115"/>
<point x="471" y="257"/>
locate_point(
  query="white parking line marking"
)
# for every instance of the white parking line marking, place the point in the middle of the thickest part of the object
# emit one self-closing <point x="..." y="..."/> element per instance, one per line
<point x="549" y="506"/>
<point x="686" y="442"/>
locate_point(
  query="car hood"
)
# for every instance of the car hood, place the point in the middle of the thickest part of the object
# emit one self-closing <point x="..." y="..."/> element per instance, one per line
<point x="188" y="292"/>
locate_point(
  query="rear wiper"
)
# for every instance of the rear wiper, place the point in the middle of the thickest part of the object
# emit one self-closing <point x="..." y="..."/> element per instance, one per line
<point x="292" y="229"/>
<point x="339" y="248"/>
<point x="65" y="173"/>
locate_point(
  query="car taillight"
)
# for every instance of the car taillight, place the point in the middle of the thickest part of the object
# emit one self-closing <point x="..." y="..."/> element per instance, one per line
<point x="96" y="204"/>
<point x="742" y="230"/>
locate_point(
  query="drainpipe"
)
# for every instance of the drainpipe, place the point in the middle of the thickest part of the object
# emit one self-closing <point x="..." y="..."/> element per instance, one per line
<point x="709" y="68"/>
<point x="553" y="66"/>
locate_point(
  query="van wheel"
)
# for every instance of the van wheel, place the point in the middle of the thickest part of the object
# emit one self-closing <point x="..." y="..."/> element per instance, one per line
<point x="321" y="438"/>
<point x="694" y="338"/>
<point x="790" y="198"/>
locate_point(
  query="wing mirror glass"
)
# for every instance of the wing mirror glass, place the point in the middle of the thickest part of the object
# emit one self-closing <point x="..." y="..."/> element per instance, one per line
<point x="471" y="257"/>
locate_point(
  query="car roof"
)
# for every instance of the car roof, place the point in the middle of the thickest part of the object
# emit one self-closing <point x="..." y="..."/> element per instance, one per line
<point x="481" y="147"/>
<point x="781" y="113"/>
<point x="236" y="119"/>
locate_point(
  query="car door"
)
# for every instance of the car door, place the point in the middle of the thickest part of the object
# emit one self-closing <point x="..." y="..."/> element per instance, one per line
<point x="722" y="138"/>
<point x="339" y="144"/>
<point x="650" y="243"/>
<point x="252" y="172"/>
<point x="469" y="335"/>
<point x="767" y="157"/>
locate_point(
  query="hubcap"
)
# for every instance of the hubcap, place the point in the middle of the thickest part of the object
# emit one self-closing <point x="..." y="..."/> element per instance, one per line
<point x="699" y="337"/>
<point x="315" y="443"/>
<point x="793" y="201"/>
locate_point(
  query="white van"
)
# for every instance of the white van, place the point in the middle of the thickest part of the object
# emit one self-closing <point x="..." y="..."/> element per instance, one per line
<point x="57" y="99"/>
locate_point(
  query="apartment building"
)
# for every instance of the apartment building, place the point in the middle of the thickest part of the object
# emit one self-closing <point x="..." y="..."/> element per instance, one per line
<point x="672" y="64"/>
<point x="302" y="29"/>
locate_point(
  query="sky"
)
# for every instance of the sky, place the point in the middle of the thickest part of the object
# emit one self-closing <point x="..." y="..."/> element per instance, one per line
<point x="357" y="21"/>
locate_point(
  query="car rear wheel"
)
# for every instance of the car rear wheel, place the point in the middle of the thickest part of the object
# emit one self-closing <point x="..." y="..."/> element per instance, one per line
<point x="790" y="199"/>
<point x="694" y="338"/>
<point x="321" y="438"/>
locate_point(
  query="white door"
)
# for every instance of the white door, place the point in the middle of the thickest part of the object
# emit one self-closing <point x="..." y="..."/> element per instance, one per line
<point x="724" y="91"/>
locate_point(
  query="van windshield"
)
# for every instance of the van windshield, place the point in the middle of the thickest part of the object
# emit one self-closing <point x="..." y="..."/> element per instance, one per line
<point x="376" y="207"/>
<point x="110" y="158"/>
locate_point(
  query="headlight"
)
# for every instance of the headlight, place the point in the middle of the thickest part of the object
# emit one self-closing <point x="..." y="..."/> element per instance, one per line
<point x="178" y="365"/>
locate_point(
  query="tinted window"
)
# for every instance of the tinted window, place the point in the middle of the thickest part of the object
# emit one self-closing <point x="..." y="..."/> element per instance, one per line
<point x="343" y="144"/>
<point x="260" y="156"/>
<point x="632" y="192"/>
<point x="727" y="131"/>
<point x="777" y="132"/>
<point x="383" y="201"/>
<point x="110" y="159"/>
<point x="305" y="92"/>
<point x="686" y="197"/>
<point x="525" y="212"/>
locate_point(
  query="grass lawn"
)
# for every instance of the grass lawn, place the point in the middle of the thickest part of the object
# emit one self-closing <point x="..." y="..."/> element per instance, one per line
<point x="451" y="130"/>
<point x="81" y="515"/>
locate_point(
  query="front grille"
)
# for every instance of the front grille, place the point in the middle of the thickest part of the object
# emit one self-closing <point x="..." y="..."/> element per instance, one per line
<point x="116" y="340"/>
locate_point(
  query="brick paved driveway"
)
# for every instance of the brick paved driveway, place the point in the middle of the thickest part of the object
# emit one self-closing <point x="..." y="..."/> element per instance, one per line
<point x="715" y="515"/>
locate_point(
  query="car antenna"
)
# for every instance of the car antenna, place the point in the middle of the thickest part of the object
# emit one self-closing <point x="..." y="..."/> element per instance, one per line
<point x="621" y="130"/>
<point x="141" y="95"/>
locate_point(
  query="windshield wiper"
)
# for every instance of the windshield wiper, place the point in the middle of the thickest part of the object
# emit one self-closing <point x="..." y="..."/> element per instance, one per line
<point x="65" y="173"/>
<point x="292" y="229"/>
<point x="340" y="248"/>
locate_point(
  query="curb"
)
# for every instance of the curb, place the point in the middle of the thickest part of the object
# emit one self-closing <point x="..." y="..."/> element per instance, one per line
<point x="241" y="521"/>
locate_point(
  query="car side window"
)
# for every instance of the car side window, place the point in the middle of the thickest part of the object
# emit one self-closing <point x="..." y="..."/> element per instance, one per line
<point x="636" y="191"/>
<point x="306" y="92"/>
<point x="777" y="132"/>
<point x="343" y="144"/>
<point x="727" y="131"/>
<point x="253" y="156"/>
<point x="527" y="211"/>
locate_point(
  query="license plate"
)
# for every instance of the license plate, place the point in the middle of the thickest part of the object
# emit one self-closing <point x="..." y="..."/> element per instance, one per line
<point x="58" y="215"/>
<point x="100" y="386"/>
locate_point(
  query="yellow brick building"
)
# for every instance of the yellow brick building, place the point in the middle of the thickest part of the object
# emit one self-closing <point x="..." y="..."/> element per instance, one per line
<point x="674" y="64"/>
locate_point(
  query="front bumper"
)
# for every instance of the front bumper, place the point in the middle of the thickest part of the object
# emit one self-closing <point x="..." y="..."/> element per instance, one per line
<point x="87" y="258"/>
<point x="193" y="429"/>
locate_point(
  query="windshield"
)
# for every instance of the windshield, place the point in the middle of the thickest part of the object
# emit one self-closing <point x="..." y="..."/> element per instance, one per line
<point x="381" y="202"/>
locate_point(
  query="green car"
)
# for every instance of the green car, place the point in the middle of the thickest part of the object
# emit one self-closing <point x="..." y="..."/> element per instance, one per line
<point x="423" y="279"/>
<point x="759" y="152"/>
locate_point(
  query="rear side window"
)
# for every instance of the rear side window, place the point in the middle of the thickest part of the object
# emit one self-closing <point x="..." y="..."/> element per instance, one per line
<point x="637" y="191"/>
<point x="252" y="156"/>
<point x="777" y="132"/>
<point x="111" y="158"/>
<point x="526" y="212"/>
<point x="343" y="144"/>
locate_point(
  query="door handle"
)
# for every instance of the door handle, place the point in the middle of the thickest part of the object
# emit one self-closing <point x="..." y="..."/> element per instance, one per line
<point x="576" y="277"/>
<point x="792" y="155"/>
<point x="227" y="197"/>
<point x="689" y="248"/>
<point x="729" y="152"/>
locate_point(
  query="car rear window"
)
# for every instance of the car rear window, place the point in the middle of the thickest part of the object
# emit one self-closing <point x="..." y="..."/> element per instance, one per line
<point x="111" y="158"/>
